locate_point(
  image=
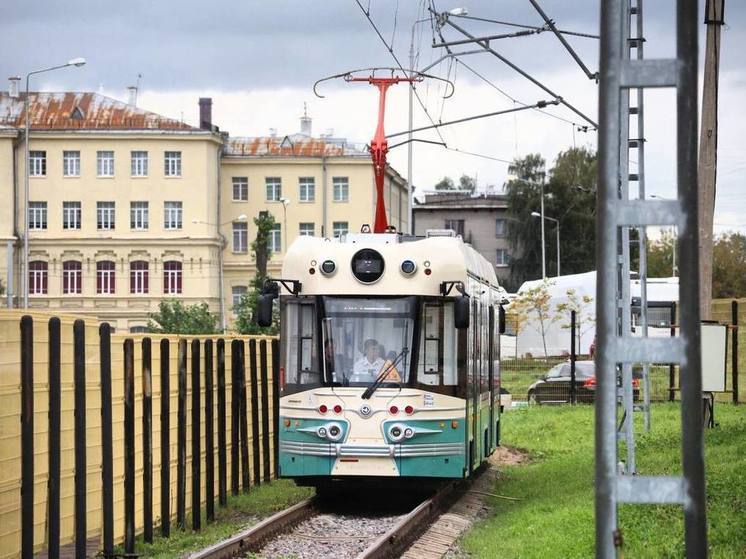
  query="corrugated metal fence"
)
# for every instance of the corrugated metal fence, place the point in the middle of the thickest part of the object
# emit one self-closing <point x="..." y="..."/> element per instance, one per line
<point x="171" y="425"/>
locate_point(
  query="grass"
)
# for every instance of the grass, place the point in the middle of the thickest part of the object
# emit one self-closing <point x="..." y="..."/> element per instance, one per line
<point x="242" y="511"/>
<point x="555" y="517"/>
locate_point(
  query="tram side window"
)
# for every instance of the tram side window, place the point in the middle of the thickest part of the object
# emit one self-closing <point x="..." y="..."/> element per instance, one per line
<point x="437" y="359"/>
<point x="301" y="362"/>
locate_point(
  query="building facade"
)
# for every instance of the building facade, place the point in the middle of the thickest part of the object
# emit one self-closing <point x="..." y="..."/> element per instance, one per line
<point x="127" y="208"/>
<point x="482" y="221"/>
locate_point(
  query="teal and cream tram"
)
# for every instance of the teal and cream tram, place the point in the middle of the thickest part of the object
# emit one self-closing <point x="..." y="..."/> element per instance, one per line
<point x="389" y="357"/>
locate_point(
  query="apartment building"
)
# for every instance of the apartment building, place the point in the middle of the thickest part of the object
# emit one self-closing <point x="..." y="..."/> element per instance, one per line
<point x="127" y="207"/>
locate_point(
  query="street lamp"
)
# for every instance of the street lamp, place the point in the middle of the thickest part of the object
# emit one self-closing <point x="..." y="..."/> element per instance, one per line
<point x="77" y="62"/>
<point x="543" y="254"/>
<point x="242" y="217"/>
<point x="285" y="203"/>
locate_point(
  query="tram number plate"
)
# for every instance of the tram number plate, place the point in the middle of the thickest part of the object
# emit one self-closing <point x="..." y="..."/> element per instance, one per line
<point x="428" y="401"/>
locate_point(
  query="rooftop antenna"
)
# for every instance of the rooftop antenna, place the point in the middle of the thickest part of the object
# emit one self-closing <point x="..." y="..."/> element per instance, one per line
<point x="379" y="146"/>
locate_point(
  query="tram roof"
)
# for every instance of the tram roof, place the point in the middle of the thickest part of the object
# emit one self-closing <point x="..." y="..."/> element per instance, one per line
<point x="449" y="259"/>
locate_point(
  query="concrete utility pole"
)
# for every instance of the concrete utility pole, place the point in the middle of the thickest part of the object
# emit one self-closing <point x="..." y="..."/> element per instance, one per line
<point x="708" y="143"/>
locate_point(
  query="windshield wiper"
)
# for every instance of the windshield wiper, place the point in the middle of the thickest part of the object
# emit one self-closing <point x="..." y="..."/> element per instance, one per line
<point x="383" y="374"/>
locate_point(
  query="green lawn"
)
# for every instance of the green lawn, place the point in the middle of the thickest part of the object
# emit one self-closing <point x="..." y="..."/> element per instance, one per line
<point x="555" y="517"/>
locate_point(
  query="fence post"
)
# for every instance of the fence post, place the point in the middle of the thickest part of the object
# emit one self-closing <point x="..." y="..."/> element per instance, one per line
<point x="254" y="412"/>
<point x="196" y="452"/>
<point x="165" y="437"/>
<point x="129" y="445"/>
<point x="147" y="440"/>
<point x="276" y="403"/>
<point x="734" y="349"/>
<point x="265" y="409"/>
<point x="209" y="443"/>
<point x="244" y="427"/>
<point x="27" y="437"/>
<point x="672" y="366"/>
<point x="235" y="404"/>
<point x="107" y="445"/>
<point x="55" y="401"/>
<point x="222" y="462"/>
<point x="573" y="358"/>
<point x="181" y="439"/>
<point x="80" y="438"/>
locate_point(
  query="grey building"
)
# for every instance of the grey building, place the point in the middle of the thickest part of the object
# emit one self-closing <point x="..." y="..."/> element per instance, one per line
<point x="480" y="220"/>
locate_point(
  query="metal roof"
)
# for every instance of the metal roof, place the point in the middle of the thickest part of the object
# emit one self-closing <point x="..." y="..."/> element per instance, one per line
<point x="81" y="111"/>
<point x="294" y="145"/>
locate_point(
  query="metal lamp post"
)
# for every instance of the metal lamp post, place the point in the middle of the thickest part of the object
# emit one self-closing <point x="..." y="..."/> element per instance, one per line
<point x="285" y="203"/>
<point x="77" y="62"/>
<point x="543" y="254"/>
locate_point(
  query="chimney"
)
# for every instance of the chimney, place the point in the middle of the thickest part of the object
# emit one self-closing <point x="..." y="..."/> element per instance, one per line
<point x="305" y="122"/>
<point x="13" y="86"/>
<point x="132" y="95"/>
<point x="205" y="113"/>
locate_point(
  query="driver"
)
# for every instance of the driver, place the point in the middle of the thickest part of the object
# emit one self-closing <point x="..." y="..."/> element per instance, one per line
<point x="370" y="363"/>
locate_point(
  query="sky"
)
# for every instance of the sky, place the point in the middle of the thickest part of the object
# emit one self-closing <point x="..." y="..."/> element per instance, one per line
<point x="259" y="60"/>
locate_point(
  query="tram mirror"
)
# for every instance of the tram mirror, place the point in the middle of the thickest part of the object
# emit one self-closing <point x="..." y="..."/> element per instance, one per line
<point x="461" y="312"/>
<point x="264" y="310"/>
<point x="501" y="320"/>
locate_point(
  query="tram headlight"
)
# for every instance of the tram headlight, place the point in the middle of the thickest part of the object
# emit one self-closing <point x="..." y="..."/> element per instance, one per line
<point x="328" y="267"/>
<point x="408" y="433"/>
<point x="367" y="265"/>
<point x="321" y="432"/>
<point x="408" y="267"/>
<point x="335" y="432"/>
<point x="396" y="432"/>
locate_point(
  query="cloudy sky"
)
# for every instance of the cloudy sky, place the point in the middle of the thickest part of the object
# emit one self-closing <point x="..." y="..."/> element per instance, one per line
<point x="259" y="60"/>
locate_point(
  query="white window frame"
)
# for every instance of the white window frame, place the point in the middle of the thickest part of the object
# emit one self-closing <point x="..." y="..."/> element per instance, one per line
<point x="105" y="216"/>
<point x="341" y="189"/>
<point x="340" y="228"/>
<point x="37" y="163"/>
<point x="71" y="163"/>
<point x="38" y="279"/>
<point x="505" y="260"/>
<point x="305" y="231"/>
<point x="173" y="214"/>
<point x="37" y="216"/>
<point x="172" y="163"/>
<point x="71" y="215"/>
<point x="173" y="279"/>
<point x="274" y="188"/>
<point x="504" y="223"/>
<point x="104" y="163"/>
<point x="242" y="183"/>
<point x="139" y="163"/>
<point x="238" y="291"/>
<point x="74" y="280"/>
<point x="275" y="238"/>
<point x="139" y="276"/>
<point x="307" y="189"/>
<point x="139" y="216"/>
<point x="240" y="237"/>
<point x="106" y="279"/>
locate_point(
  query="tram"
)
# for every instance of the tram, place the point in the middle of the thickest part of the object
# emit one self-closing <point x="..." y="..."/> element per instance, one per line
<point x="389" y="357"/>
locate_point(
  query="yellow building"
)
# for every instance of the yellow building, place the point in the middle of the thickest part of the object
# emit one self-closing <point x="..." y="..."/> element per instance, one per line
<point x="127" y="208"/>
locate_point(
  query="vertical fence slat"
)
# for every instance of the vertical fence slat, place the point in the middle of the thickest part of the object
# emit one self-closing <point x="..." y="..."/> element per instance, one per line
<point x="196" y="453"/>
<point x="672" y="367"/>
<point x="27" y="437"/>
<point x="734" y="350"/>
<point x="80" y="438"/>
<point x="181" y="439"/>
<point x="276" y="404"/>
<point x="235" y="400"/>
<point x="107" y="444"/>
<point x="243" y="419"/>
<point x="265" y="408"/>
<point x="222" y="462"/>
<point x="165" y="437"/>
<point x="573" y="358"/>
<point x="209" y="443"/>
<point x="255" y="442"/>
<point x="55" y="401"/>
<point x="129" y="445"/>
<point x="147" y="440"/>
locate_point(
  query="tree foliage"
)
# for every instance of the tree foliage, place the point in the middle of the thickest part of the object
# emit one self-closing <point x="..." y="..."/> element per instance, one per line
<point x="465" y="182"/>
<point x="446" y="183"/>
<point x="584" y="320"/>
<point x="660" y="256"/>
<point x="729" y="266"/>
<point x="173" y="317"/>
<point x="535" y="302"/>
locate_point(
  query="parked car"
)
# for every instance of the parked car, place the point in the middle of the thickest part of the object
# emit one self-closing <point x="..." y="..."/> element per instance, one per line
<point x="554" y="387"/>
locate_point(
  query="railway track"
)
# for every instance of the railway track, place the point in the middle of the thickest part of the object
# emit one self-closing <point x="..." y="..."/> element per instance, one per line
<point x="361" y="526"/>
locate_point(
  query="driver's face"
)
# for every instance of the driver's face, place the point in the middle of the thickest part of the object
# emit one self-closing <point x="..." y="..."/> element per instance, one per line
<point x="372" y="353"/>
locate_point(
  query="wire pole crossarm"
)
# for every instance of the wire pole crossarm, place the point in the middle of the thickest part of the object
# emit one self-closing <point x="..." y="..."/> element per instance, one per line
<point x="522" y="26"/>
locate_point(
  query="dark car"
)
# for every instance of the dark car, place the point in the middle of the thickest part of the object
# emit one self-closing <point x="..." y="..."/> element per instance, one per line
<point x="554" y="387"/>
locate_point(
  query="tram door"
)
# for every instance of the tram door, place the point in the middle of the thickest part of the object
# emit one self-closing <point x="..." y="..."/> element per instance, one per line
<point x="475" y="381"/>
<point x="491" y="378"/>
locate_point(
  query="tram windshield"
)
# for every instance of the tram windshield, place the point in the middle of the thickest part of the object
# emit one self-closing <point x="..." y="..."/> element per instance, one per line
<point x="364" y="338"/>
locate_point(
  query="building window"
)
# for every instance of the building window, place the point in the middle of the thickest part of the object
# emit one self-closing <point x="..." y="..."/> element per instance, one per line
<point x="341" y="189"/>
<point x="340" y="228"/>
<point x="72" y="277"/>
<point x="139" y="165"/>
<point x="172" y="277"/>
<point x="238" y="291"/>
<point x="71" y="215"/>
<point x="275" y="238"/>
<point x="240" y="189"/>
<point x="307" y="186"/>
<point x="502" y="257"/>
<point x="105" y="215"/>
<point x="138" y="215"/>
<point x="172" y="163"/>
<point x="71" y="163"/>
<point x="240" y="236"/>
<point x="274" y="189"/>
<point x="37" y="164"/>
<point x="501" y="227"/>
<point x="172" y="215"/>
<point x="37" y="277"/>
<point x="105" y="163"/>
<point x="138" y="329"/>
<point x="138" y="277"/>
<point x="37" y="215"/>
<point x="105" y="277"/>
<point x="307" y="230"/>
<point x="456" y="225"/>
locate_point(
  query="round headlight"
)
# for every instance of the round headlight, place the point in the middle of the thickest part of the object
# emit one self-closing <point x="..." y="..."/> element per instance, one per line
<point x="367" y="265"/>
<point x="335" y="432"/>
<point x="408" y="267"/>
<point x="408" y="433"/>
<point x="328" y="267"/>
<point x="321" y="432"/>
<point x="396" y="432"/>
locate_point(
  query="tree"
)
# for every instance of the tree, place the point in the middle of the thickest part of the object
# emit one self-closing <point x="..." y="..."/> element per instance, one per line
<point x="446" y="183"/>
<point x="245" y="310"/>
<point x="175" y="318"/>
<point x="517" y="316"/>
<point x="660" y="256"/>
<point x="729" y="266"/>
<point x="536" y="301"/>
<point x="584" y="320"/>
<point x="467" y="183"/>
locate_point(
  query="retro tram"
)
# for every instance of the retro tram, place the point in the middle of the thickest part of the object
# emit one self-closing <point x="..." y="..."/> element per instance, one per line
<point x="389" y="361"/>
